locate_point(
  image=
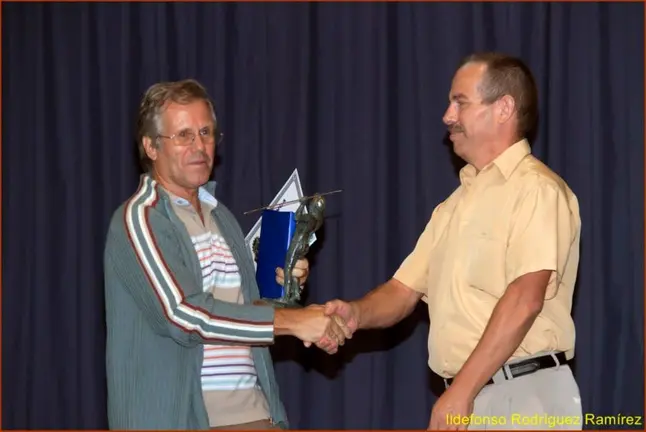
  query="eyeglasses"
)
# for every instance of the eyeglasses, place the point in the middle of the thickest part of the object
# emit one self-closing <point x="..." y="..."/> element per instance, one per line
<point x="186" y="137"/>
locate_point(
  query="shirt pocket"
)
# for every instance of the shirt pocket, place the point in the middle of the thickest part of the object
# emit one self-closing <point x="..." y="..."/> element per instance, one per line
<point x="485" y="263"/>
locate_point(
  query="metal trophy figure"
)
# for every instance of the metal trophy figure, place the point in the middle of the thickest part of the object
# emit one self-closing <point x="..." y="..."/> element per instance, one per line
<point x="306" y="224"/>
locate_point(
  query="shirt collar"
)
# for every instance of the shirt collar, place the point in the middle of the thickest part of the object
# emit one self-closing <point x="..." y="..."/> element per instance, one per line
<point x="506" y="162"/>
<point x="206" y="192"/>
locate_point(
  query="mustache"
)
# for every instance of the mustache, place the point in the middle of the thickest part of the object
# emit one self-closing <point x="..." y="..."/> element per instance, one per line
<point x="455" y="129"/>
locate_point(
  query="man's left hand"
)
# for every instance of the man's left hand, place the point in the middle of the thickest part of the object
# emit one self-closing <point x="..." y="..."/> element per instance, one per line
<point x="301" y="271"/>
<point x="451" y="411"/>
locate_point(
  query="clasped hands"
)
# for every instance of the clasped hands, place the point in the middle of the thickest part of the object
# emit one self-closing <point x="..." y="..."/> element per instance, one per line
<point x="317" y="324"/>
<point x="341" y="320"/>
<point x="327" y="326"/>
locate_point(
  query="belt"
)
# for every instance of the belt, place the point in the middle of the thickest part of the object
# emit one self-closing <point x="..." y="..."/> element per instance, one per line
<point x="526" y="367"/>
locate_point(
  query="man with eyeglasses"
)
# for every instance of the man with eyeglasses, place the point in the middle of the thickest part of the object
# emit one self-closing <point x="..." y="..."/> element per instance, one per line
<point x="187" y="342"/>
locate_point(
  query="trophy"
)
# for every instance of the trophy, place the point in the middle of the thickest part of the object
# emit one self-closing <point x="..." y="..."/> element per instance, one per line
<point x="285" y="238"/>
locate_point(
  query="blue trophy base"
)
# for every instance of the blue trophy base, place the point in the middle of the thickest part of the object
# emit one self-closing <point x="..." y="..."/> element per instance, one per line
<point x="276" y="232"/>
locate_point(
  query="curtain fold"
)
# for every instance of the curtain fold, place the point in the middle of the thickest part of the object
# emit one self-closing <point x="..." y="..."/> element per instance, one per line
<point x="352" y="95"/>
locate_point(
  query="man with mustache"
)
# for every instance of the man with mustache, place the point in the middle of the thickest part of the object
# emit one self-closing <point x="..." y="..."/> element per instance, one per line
<point x="187" y="342"/>
<point x="496" y="264"/>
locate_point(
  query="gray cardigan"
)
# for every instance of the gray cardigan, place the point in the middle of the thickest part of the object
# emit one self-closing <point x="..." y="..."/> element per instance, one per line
<point x="159" y="318"/>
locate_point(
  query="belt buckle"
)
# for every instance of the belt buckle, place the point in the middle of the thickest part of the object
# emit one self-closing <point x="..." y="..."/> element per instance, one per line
<point x="524" y="368"/>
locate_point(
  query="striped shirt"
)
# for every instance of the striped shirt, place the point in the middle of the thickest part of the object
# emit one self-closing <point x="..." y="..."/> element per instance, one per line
<point x="229" y="378"/>
<point x="224" y="367"/>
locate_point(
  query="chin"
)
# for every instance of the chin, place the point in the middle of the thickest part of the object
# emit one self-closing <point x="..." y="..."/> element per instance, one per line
<point x="457" y="148"/>
<point x="198" y="179"/>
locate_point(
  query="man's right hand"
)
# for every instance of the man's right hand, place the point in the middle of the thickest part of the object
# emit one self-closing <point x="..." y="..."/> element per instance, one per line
<point x="311" y="325"/>
<point x="348" y="313"/>
<point x="346" y="317"/>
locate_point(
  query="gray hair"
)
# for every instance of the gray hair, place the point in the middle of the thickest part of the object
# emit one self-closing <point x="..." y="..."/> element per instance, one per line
<point x="153" y="104"/>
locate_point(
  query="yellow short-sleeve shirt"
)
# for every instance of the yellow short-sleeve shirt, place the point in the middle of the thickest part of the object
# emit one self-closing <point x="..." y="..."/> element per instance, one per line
<point x="514" y="217"/>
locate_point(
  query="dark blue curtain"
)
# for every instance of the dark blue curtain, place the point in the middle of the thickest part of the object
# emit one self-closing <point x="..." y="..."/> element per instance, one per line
<point x="350" y="94"/>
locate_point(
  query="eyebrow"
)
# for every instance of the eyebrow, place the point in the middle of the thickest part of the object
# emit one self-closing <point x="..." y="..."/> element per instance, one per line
<point x="459" y="97"/>
<point x="189" y="129"/>
<point x="184" y="129"/>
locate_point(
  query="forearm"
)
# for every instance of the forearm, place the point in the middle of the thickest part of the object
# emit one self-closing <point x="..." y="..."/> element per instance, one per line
<point x="386" y="305"/>
<point x="230" y="323"/>
<point x="510" y="321"/>
<point x="143" y="255"/>
<point x="189" y="320"/>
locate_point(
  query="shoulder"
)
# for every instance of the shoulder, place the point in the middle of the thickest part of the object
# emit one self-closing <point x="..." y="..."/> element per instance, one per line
<point x="225" y="214"/>
<point x="532" y="173"/>
<point x="139" y="216"/>
<point x="535" y="178"/>
<point x="223" y="210"/>
<point x="226" y="218"/>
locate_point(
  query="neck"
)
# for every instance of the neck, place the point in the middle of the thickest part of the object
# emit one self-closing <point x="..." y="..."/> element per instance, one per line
<point x="191" y="195"/>
<point x="486" y="157"/>
<point x="489" y="152"/>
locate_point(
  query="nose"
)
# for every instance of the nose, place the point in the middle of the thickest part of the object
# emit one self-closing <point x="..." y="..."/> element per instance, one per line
<point x="450" y="116"/>
<point x="198" y="142"/>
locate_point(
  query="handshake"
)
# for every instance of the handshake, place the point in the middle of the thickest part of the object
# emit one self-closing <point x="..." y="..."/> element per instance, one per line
<point x="326" y="326"/>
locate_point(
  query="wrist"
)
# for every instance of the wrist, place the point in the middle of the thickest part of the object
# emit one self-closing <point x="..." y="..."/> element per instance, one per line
<point x="355" y="307"/>
<point x="466" y="387"/>
<point x="285" y="322"/>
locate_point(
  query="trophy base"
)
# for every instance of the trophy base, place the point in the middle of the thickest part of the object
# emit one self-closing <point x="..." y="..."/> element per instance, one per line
<point x="280" y="303"/>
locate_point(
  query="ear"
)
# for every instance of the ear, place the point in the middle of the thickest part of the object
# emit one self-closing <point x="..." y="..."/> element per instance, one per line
<point x="150" y="147"/>
<point x="506" y="106"/>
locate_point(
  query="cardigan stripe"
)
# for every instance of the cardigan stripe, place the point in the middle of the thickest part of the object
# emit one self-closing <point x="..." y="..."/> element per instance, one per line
<point x="169" y="293"/>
